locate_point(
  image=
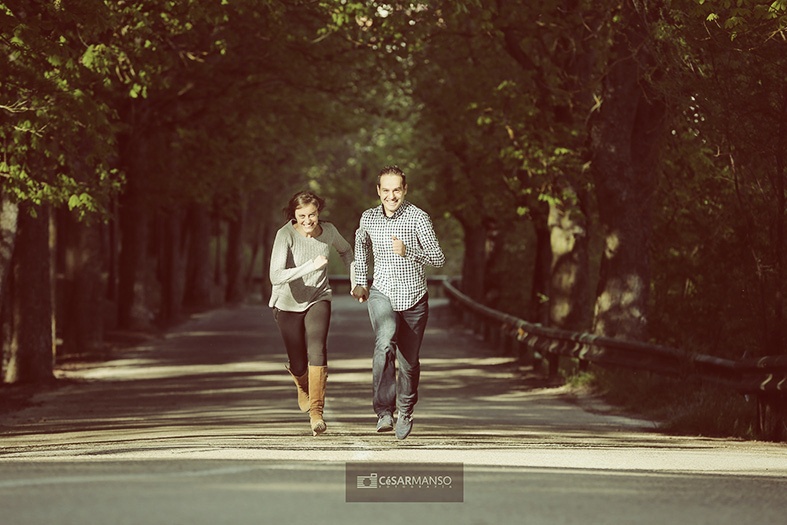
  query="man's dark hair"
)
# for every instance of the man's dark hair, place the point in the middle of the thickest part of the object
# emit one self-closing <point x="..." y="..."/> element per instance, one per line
<point x="392" y="170"/>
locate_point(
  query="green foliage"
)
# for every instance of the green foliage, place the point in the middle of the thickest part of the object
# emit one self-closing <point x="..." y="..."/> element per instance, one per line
<point x="484" y="103"/>
<point x="716" y="282"/>
<point x="55" y="132"/>
<point x="743" y="16"/>
<point x="702" y="298"/>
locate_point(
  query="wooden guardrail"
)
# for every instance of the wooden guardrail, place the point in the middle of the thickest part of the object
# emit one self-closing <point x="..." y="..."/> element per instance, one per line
<point x="765" y="378"/>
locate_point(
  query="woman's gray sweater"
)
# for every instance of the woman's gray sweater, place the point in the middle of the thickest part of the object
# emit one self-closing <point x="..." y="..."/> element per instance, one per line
<point x="296" y="283"/>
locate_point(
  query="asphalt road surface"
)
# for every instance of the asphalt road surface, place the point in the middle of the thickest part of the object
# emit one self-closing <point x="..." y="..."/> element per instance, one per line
<point x="202" y="427"/>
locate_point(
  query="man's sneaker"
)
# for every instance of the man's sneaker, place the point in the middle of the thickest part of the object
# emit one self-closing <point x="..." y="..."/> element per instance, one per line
<point x="404" y="424"/>
<point x="385" y="423"/>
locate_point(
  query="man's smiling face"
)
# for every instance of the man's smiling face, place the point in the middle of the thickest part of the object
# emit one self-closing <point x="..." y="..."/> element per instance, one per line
<point x="391" y="191"/>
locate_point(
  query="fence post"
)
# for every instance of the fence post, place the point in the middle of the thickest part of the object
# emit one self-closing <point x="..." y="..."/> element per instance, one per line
<point x="553" y="362"/>
<point x="771" y="417"/>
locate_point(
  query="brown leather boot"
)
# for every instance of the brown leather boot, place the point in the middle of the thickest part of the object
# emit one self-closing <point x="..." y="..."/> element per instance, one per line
<point x="318" y="376"/>
<point x="302" y="384"/>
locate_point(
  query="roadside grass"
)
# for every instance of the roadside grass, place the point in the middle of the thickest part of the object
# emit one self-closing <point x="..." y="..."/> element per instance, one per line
<point x="679" y="406"/>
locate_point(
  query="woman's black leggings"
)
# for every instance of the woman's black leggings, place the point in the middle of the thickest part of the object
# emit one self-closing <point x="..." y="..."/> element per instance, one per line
<point x="305" y="335"/>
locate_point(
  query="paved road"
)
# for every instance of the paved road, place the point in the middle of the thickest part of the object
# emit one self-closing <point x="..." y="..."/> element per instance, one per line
<point x="202" y="427"/>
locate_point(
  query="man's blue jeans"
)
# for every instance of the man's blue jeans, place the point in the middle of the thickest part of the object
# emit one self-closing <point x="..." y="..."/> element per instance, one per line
<point x="398" y="337"/>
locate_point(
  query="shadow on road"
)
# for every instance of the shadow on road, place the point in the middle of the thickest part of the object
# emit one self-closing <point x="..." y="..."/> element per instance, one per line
<point x="218" y="380"/>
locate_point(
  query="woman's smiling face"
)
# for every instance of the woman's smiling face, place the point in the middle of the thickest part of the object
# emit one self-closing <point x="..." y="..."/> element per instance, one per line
<point x="308" y="218"/>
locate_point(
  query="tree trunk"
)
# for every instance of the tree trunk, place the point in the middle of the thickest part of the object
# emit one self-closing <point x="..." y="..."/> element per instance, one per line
<point x="623" y="134"/>
<point x="268" y="236"/>
<point x="171" y="266"/>
<point x="234" y="290"/>
<point x="542" y="270"/>
<point x="111" y="235"/>
<point x="82" y="291"/>
<point x="779" y="343"/>
<point x="9" y="213"/>
<point x="569" y="293"/>
<point x="8" y="342"/>
<point x="133" y="213"/>
<point x="256" y="258"/>
<point x="32" y="342"/>
<point x="132" y="217"/>
<point x="199" y="283"/>
<point x="217" y="226"/>
<point x="569" y="278"/>
<point x="474" y="261"/>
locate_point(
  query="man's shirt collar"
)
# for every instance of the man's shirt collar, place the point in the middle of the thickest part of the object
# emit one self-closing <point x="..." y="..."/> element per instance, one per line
<point x="398" y="213"/>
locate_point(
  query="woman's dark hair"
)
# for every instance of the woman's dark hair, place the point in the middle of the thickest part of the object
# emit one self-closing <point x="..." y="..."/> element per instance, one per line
<point x="302" y="198"/>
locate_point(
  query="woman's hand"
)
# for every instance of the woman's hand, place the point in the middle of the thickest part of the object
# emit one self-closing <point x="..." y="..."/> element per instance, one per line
<point x="319" y="262"/>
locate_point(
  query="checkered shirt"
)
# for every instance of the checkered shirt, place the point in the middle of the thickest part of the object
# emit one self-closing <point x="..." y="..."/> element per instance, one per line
<point x="402" y="279"/>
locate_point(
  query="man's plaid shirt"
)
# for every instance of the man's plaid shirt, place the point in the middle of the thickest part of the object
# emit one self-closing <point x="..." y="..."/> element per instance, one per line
<point x="402" y="279"/>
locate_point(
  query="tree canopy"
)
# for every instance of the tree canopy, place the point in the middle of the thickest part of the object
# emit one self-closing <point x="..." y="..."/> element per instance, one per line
<point x="614" y="166"/>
